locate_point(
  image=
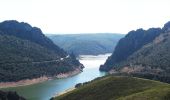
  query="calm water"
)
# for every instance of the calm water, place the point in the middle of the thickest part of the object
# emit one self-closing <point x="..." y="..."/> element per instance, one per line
<point x="45" y="90"/>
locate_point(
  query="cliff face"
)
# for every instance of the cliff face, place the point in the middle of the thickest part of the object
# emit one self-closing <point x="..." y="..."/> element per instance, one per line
<point x="143" y="53"/>
<point x="26" y="53"/>
<point x="131" y="43"/>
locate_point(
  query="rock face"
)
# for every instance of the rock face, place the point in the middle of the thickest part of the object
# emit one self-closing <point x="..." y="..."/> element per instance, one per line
<point x="10" y="96"/>
<point x="26" y="53"/>
<point x="142" y="52"/>
<point x="132" y="42"/>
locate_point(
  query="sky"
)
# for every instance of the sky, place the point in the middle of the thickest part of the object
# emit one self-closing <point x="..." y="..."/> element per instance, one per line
<point x="87" y="16"/>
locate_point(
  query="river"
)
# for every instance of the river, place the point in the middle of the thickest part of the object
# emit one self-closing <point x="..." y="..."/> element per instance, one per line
<point x="47" y="89"/>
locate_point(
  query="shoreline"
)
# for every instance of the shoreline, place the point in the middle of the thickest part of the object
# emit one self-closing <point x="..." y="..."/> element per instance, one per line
<point x="26" y="82"/>
<point x="63" y="92"/>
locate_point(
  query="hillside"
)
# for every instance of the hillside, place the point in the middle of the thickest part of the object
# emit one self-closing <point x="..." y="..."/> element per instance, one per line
<point x="87" y="44"/>
<point x="26" y="53"/>
<point x="149" y="58"/>
<point x="119" y="88"/>
<point x="27" y="32"/>
<point x="132" y="42"/>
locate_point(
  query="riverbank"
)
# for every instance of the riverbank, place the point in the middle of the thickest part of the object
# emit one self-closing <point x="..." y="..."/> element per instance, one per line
<point x="66" y="91"/>
<point x="39" y="80"/>
<point x="48" y="89"/>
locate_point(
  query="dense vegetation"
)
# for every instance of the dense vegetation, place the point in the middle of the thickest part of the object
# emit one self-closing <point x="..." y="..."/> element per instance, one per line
<point x="10" y="96"/>
<point x="119" y="88"/>
<point x="149" y="58"/>
<point x="26" y="53"/>
<point x="87" y="44"/>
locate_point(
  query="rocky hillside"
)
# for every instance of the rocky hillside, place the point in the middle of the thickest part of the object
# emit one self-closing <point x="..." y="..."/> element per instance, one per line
<point x="87" y="44"/>
<point x="26" y="53"/>
<point x="146" y="54"/>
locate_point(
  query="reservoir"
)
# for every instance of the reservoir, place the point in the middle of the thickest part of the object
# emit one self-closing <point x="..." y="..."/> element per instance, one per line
<point x="47" y="89"/>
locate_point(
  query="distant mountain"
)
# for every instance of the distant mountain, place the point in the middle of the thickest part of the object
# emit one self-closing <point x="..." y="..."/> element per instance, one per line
<point x="26" y="53"/>
<point x="87" y="44"/>
<point x="119" y="88"/>
<point x="143" y="53"/>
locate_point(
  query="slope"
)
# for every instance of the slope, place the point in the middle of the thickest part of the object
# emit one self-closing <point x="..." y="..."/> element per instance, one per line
<point x="131" y="43"/>
<point x="25" y="53"/>
<point x="151" y="60"/>
<point x="119" y="88"/>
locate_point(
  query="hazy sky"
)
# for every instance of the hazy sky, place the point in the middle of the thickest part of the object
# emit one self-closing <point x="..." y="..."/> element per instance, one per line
<point x="87" y="16"/>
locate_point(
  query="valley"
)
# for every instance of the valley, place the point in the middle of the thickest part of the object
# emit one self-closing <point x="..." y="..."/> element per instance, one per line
<point x="42" y="70"/>
<point x="84" y="50"/>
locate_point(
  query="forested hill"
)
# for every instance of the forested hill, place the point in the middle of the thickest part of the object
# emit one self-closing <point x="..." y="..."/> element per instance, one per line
<point x="26" y="53"/>
<point x="143" y="52"/>
<point x="87" y="44"/>
<point x="27" y="32"/>
<point x="132" y="42"/>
